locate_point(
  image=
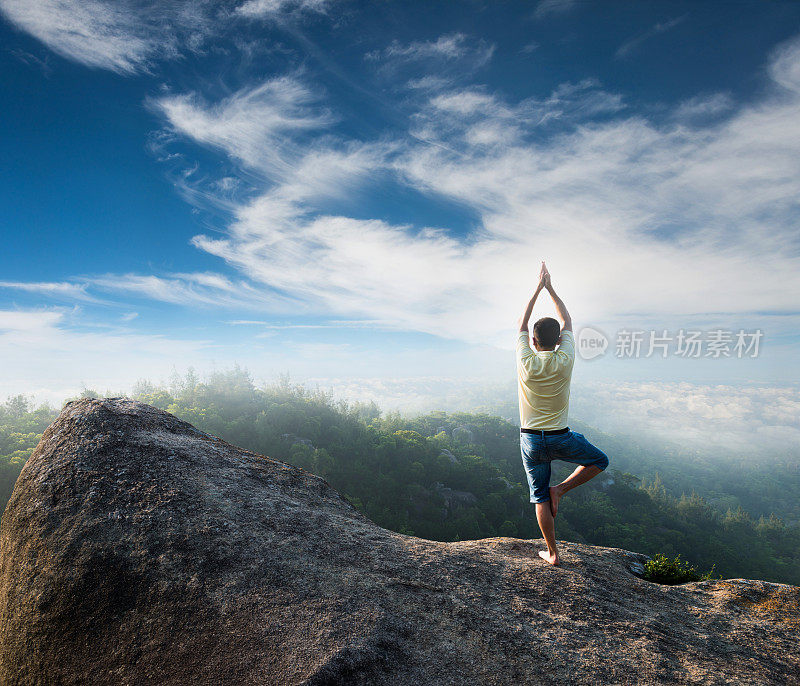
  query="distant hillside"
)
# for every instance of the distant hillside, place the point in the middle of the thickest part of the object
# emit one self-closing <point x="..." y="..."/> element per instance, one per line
<point x="451" y="477"/>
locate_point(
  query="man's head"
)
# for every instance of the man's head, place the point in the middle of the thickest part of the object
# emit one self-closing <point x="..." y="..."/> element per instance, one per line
<point x="546" y="334"/>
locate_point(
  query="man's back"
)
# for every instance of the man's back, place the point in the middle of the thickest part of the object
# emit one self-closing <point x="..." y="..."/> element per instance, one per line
<point x="543" y="379"/>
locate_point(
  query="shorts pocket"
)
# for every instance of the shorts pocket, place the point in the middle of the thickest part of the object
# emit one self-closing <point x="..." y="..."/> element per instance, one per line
<point x="560" y="439"/>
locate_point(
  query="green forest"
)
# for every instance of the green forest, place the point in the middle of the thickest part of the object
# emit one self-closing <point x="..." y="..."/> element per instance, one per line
<point x="457" y="476"/>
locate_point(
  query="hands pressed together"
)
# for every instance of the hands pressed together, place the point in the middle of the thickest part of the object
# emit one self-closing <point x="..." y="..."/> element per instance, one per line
<point x="544" y="278"/>
<point x="545" y="284"/>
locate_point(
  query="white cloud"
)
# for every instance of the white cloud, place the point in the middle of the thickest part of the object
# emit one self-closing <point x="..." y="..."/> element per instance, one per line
<point x="472" y="107"/>
<point x="316" y="260"/>
<point x="271" y="129"/>
<point x="635" y="218"/>
<point x="704" y="106"/>
<point x="194" y="289"/>
<point x="449" y="51"/>
<point x="64" y="289"/>
<point x="336" y="324"/>
<point x="585" y="98"/>
<point x="449" y="46"/>
<point x="463" y="102"/>
<point x="176" y="291"/>
<point x="268" y="8"/>
<point x="96" y="33"/>
<point x="740" y="420"/>
<point x="28" y="321"/>
<point x="127" y="36"/>
<point x="47" y="353"/>
<point x="784" y="68"/>
<point x="546" y="8"/>
<point x="254" y="125"/>
<point x="429" y="83"/>
<point x="198" y="289"/>
<point x="661" y="27"/>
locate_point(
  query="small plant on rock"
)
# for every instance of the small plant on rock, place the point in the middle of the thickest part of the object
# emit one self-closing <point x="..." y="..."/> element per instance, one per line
<point x="662" y="570"/>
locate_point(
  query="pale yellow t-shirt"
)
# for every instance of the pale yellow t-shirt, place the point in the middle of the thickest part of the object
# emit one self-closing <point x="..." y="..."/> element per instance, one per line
<point x="543" y="379"/>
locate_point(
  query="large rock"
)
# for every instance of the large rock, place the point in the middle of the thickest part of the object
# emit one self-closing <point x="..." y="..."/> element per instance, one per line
<point x="139" y="550"/>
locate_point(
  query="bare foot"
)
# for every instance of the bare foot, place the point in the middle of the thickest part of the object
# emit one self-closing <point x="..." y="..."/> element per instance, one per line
<point x="555" y="496"/>
<point x="550" y="559"/>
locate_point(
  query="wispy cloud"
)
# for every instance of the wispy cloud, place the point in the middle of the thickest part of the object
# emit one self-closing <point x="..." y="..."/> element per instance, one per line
<point x="336" y="324"/>
<point x="62" y="289"/>
<point x="449" y="46"/>
<point x="96" y="33"/>
<point x="471" y="108"/>
<point x="546" y="8"/>
<point x="702" y="106"/>
<point x="645" y="203"/>
<point x="194" y="289"/>
<point x="127" y="36"/>
<point x="34" y="61"/>
<point x="662" y="27"/>
<point x="199" y="289"/>
<point x="254" y="125"/>
<point x="269" y="8"/>
<point x="449" y="52"/>
<point x="429" y="82"/>
<point x="279" y="130"/>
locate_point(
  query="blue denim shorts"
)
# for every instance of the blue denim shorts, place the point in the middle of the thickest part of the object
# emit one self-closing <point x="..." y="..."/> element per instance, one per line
<point x="539" y="451"/>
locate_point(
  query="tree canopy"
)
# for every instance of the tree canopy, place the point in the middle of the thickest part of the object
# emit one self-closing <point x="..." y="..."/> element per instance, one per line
<point x="446" y="476"/>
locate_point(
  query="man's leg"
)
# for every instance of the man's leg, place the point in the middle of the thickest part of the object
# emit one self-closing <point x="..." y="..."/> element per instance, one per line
<point x="547" y="525"/>
<point x="581" y="475"/>
<point x="537" y="472"/>
<point x="573" y="447"/>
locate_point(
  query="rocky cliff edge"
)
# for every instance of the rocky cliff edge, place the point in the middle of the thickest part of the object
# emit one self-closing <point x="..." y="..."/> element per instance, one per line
<point x="136" y="549"/>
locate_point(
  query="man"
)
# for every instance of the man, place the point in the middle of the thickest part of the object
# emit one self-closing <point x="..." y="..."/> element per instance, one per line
<point x="544" y="376"/>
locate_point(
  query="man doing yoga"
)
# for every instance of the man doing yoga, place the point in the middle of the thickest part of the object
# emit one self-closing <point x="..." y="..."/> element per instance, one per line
<point x="544" y="374"/>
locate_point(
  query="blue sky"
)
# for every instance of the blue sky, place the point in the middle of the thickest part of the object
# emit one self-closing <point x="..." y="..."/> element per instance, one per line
<point x="343" y="190"/>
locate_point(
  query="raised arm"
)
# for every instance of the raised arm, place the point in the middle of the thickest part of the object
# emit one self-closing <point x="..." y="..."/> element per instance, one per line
<point x="559" y="303"/>
<point x="526" y="316"/>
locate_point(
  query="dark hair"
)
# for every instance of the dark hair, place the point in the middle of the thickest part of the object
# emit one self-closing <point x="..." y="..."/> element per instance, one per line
<point x="546" y="332"/>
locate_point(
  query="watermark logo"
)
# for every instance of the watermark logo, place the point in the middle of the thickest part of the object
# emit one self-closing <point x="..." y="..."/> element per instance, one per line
<point x="686" y="343"/>
<point x="715" y="344"/>
<point x="591" y="343"/>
